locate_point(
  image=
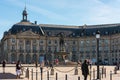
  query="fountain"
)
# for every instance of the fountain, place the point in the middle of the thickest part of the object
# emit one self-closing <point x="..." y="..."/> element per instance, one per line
<point x="62" y="55"/>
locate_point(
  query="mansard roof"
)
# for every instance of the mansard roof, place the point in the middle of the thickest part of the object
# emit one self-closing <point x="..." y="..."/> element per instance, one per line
<point x="25" y="26"/>
<point x="79" y="31"/>
<point x="66" y="30"/>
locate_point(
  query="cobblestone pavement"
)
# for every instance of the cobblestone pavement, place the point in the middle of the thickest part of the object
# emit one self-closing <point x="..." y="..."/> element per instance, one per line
<point x="62" y="72"/>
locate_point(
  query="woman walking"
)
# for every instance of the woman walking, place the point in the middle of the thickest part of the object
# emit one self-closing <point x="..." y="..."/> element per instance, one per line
<point x="18" y="69"/>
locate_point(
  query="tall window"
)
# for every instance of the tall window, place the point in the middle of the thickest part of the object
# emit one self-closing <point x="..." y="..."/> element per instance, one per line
<point x="74" y="48"/>
<point x="13" y="40"/>
<point x="73" y="42"/>
<point x="21" y="48"/>
<point x="28" y="43"/>
<point x="87" y="43"/>
<point x="13" y="48"/>
<point x="41" y="41"/>
<point x="55" y="41"/>
<point x="49" y="48"/>
<point x="34" y="49"/>
<point x="41" y="48"/>
<point x="49" y="42"/>
<point x="81" y="43"/>
<point x="55" y="50"/>
<point x="81" y="46"/>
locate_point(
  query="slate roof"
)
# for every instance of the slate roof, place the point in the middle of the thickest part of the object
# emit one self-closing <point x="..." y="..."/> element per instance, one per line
<point x="25" y="26"/>
<point x="80" y="31"/>
<point x="68" y="31"/>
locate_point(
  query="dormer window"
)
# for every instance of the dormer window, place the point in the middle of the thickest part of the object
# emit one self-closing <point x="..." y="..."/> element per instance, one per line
<point x="23" y="29"/>
<point x="106" y="32"/>
<point x="82" y="34"/>
<point x="73" y="34"/>
<point x="114" y="31"/>
<point x="49" y="33"/>
<point x="94" y="33"/>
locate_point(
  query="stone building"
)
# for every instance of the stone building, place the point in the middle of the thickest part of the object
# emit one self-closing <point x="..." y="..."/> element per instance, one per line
<point x="26" y="41"/>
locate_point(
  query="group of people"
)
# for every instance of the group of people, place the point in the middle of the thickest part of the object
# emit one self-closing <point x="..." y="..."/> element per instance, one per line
<point x="84" y="68"/>
<point x="18" y="68"/>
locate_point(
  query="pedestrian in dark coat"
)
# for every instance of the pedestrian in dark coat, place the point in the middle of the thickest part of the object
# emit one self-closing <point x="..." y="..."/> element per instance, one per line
<point x="4" y="65"/>
<point x="85" y="70"/>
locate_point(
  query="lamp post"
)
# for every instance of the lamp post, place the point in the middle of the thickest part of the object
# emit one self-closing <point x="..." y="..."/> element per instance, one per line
<point x="98" y="37"/>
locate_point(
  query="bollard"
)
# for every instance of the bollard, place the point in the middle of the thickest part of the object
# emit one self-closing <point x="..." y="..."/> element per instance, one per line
<point x="76" y="71"/>
<point x="36" y="74"/>
<point x="47" y="75"/>
<point x="100" y="75"/>
<point x="115" y="70"/>
<point x="66" y="77"/>
<point x="105" y="72"/>
<point x="41" y="69"/>
<point x="93" y="74"/>
<point x="32" y="74"/>
<point x="110" y="75"/>
<point x="22" y="69"/>
<point x="78" y="78"/>
<point x="102" y="72"/>
<point x="90" y="74"/>
<point x="52" y="71"/>
<point x="27" y="73"/>
<point x="56" y="76"/>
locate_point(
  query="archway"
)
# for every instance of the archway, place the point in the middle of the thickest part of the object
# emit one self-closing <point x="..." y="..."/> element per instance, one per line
<point x="21" y="58"/>
<point x="28" y="58"/>
<point x="74" y="58"/>
<point x="34" y="58"/>
<point x="13" y="58"/>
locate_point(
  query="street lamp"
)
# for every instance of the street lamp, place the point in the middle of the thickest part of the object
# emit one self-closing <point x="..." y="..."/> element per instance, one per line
<point x="98" y="37"/>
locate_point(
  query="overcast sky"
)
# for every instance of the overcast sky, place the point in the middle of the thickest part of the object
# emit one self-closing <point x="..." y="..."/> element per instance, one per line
<point x="61" y="12"/>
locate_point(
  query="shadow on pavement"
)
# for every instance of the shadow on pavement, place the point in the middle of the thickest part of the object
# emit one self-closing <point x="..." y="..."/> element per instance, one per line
<point x="7" y="76"/>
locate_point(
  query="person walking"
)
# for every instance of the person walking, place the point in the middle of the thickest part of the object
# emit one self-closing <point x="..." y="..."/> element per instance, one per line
<point x="85" y="70"/>
<point x="18" y="69"/>
<point x="4" y="65"/>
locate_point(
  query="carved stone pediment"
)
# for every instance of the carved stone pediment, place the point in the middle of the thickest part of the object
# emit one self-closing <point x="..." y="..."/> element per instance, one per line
<point x="27" y="33"/>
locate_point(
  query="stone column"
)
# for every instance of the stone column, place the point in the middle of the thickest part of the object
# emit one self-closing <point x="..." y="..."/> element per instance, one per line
<point x="31" y="41"/>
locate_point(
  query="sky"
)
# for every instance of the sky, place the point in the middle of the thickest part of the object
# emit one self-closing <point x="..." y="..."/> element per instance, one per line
<point x="59" y="12"/>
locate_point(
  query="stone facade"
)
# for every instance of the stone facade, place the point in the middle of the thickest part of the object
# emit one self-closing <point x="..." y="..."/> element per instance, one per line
<point x="27" y="41"/>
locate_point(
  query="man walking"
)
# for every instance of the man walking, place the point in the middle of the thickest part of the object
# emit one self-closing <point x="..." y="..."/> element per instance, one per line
<point x="3" y="65"/>
<point x="85" y="70"/>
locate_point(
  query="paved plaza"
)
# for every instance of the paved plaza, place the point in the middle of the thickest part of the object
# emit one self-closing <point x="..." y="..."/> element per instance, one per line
<point x="61" y="71"/>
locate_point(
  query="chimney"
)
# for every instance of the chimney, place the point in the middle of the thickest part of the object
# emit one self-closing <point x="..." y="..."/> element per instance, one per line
<point x="35" y="22"/>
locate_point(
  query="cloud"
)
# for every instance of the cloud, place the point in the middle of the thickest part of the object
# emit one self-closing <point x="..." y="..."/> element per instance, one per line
<point x="3" y="26"/>
<point x="39" y="10"/>
<point x="75" y="12"/>
<point x="46" y="12"/>
<point x="105" y="13"/>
